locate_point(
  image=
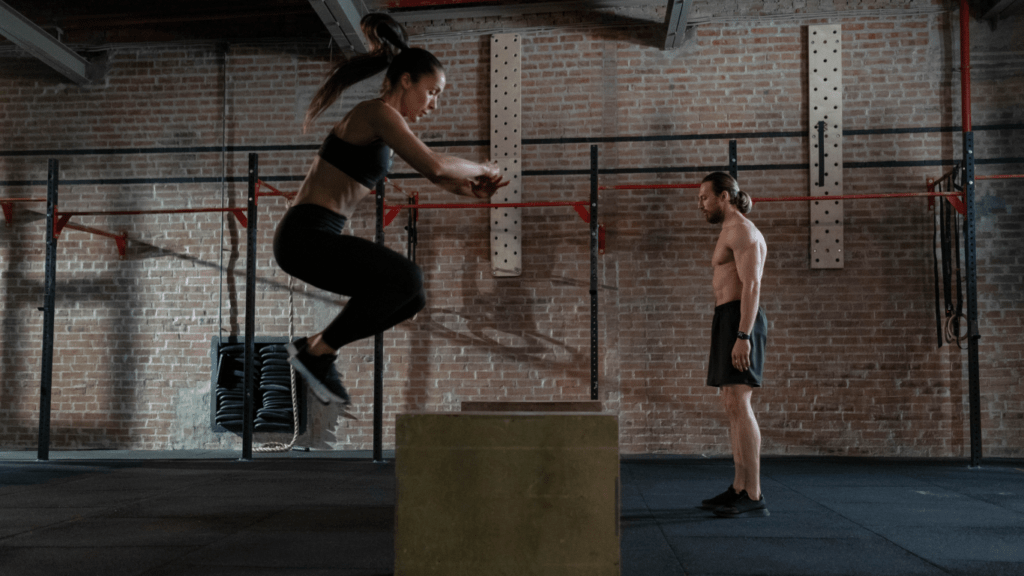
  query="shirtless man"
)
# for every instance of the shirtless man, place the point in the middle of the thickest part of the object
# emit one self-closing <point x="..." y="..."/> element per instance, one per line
<point x="738" y="335"/>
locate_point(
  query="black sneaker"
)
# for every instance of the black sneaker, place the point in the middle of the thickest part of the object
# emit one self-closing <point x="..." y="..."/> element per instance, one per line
<point x="723" y="499"/>
<point x="742" y="507"/>
<point x="319" y="373"/>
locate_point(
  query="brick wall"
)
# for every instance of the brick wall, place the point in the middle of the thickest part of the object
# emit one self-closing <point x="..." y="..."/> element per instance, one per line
<point x="852" y="368"/>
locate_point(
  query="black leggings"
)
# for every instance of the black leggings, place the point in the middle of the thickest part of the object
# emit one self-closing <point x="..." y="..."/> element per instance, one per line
<point x="384" y="287"/>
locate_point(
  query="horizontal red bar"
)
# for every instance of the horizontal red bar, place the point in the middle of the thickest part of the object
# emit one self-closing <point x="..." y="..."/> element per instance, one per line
<point x="22" y="199"/>
<point x="647" y="186"/>
<point x="999" y="177"/>
<point x="468" y="205"/>
<point x="138" y="212"/>
<point x="394" y="209"/>
<point x="857" y="196"/>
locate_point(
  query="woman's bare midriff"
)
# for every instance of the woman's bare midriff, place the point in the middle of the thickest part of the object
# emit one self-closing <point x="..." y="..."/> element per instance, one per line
<point x="331" y="188"/>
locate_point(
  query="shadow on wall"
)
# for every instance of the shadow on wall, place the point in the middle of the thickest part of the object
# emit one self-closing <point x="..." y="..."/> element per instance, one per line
<point x="642" y="32"/>
<point x="21" y="297"/>
<point x="113" y="356"/>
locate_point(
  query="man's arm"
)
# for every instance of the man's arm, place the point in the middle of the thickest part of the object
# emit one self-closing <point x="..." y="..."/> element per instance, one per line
<point x="749" y="259"/>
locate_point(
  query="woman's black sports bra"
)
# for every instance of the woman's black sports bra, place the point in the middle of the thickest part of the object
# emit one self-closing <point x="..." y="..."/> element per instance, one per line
<point x="367" y="165"/>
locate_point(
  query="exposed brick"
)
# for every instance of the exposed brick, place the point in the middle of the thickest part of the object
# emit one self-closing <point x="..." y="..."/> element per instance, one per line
<point x="852" y="364"/>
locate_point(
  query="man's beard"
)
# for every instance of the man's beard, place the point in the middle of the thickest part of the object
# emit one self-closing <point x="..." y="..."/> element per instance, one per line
<point x="714" y="217"/>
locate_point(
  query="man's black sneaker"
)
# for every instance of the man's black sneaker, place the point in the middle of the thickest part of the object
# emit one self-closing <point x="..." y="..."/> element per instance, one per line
<point x="723" y="499"/>
<point x="743" y="507"/>
<point x="319" y="373"/>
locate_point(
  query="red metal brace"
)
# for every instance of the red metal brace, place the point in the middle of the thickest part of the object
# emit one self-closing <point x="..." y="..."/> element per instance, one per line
<point x="953" y="199"/>
<point x="121" y="240"/>
<point x="958" y="204"/>
<point x="581" y="209"/>
<point x="275" y="191"/>
<point x="8" y="206"/>
<point x="392" y="211"/>
<point x="122" y="243"/>
<point x="241" y="216"/>
<point x="59" y="222"/>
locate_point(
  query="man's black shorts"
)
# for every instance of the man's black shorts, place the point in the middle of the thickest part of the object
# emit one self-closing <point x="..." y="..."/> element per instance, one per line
<point x="723" y="337"/>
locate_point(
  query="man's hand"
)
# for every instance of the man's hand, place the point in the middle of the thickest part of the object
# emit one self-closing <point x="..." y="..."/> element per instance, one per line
<point x="741" y="355"/>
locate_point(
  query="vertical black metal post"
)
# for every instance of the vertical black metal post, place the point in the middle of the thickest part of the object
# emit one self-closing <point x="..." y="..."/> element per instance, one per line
<point x="411" y="237"/>
<point x="378" y="353"/>
<point x="49" y="304"/>
<point x="593" y="273"/>
<point x="248" y="400"/>
<point x="973" y="333"/>
<point x="734" y="169"/>
<point x="970" y="255"/>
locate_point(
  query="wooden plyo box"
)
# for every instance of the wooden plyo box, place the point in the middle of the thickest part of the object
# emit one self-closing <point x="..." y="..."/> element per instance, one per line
<point x="512" y="493"/>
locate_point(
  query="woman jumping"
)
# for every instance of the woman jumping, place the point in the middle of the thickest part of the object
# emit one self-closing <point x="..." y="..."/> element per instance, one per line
<point x="384" y="287"/>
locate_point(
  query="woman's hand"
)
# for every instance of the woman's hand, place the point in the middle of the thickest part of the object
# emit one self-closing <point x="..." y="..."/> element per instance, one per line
<point x="485" y="186"/>
<point x="491" y="170"/>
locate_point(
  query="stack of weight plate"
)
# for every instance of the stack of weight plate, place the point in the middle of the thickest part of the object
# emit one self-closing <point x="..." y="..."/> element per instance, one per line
<point x="275" y="392"/>
<point x="230" y="386"/>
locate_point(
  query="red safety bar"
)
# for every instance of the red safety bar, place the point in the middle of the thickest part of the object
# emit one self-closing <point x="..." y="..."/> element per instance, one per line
<point x="858" y="196"/>
<point x="8" y="206"/>
<point x="647" y="186"/>
<point x="121" y="240"/>
<point x="62" y="220"/>
<point x="392" y="210"/>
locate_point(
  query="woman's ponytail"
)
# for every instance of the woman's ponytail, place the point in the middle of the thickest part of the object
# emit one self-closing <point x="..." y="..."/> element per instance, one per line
<point x="383" y="33"/>
<point x="386" y="39"/>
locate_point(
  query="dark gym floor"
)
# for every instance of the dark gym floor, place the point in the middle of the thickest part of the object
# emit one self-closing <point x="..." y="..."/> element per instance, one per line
<point x="312" y="514"/>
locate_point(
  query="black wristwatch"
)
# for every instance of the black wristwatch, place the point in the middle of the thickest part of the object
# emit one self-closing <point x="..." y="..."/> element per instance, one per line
<point x="741" y="335"/>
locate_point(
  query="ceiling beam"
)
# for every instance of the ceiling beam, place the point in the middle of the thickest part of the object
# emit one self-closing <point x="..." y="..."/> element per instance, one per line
<point x="34" y="40"/>
<point x="484" y="10"/>
<point x="677" y="14"/>
<point x="341" y="17"/>
<point x="995" y="9"/>
<point x="392" y="4"/>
